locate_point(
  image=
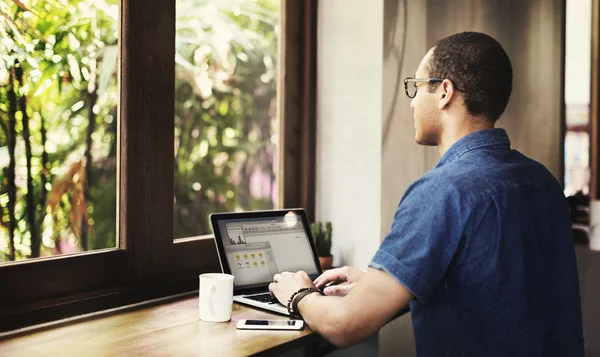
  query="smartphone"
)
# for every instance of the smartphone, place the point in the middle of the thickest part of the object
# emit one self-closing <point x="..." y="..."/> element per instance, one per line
<point x="270" y="325"/>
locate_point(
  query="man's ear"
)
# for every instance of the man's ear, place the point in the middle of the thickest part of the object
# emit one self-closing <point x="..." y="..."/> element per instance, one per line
<point x="447" y="94"/>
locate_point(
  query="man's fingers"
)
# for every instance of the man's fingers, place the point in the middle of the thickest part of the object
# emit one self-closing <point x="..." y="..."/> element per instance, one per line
<point x="271" y="286"/>
<point x="324" y="278"/>
<point x="337" y="290"/>
<point x="331" y="275"/>
<point x="302" y="275"/>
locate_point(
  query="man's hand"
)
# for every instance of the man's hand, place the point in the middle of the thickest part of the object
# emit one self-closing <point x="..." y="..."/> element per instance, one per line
<point x="286" y="283"/>
<point x="348" y="274"/>
<point x="347" y="320"/>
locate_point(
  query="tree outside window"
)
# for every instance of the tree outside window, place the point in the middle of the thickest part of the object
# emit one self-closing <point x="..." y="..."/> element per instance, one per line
<point x="58" y="134"/>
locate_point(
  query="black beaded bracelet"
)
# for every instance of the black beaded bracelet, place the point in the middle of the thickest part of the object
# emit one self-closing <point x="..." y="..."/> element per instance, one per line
<point x="289" y="304"/>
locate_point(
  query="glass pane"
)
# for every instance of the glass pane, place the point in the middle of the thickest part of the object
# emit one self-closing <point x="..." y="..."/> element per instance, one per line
<point x="577" y="96"/>
<point x="58" y="109"/>
<point x="225" y="109"/>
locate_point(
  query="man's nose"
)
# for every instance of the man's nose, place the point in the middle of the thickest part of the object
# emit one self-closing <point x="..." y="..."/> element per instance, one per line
<point x="412" y="104"/>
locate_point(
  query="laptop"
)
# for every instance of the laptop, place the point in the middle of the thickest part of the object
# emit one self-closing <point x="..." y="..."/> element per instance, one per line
<point x="254" y="246"/>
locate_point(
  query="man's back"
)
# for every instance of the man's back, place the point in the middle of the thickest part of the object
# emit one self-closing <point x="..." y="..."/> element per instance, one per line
<point x="500" y="278"/>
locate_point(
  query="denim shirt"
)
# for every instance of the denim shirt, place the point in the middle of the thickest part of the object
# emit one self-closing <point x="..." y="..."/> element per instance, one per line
<point x="484" y="243"/>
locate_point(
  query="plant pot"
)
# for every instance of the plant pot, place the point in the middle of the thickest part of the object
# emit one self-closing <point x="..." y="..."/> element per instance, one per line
<point x="326" y="262"/>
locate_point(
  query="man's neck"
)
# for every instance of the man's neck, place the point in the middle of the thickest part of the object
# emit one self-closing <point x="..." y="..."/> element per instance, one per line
<point x="453" y="134"/>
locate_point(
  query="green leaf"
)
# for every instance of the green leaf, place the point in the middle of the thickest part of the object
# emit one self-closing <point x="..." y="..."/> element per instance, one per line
<point x="224" y="108"/>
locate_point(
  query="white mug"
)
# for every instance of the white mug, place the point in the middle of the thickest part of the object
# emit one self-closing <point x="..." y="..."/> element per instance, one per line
<point x="215" y="297"/>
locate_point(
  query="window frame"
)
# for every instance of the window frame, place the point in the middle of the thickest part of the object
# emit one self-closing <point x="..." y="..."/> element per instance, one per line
<point x="594" y="104"/>
<point x="148" y="263"/>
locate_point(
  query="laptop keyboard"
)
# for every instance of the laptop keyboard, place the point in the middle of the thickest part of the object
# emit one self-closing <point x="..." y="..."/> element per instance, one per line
<point x="266" y="298"/>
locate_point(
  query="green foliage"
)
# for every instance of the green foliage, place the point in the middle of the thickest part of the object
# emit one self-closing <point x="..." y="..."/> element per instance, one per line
<point x="322" y="237"/>
<point x="225" y="109"/>
<point x="225" y="116"/>
<point x="66" y="50"/>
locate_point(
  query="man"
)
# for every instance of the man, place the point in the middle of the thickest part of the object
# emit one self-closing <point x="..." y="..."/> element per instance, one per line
<point x="480" y="246"/>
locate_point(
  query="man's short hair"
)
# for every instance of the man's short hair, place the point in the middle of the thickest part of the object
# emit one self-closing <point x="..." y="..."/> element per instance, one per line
<point x="478" y="67"/>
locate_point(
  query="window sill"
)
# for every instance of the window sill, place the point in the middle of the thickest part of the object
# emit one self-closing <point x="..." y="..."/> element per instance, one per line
<point x="191" y="257"/>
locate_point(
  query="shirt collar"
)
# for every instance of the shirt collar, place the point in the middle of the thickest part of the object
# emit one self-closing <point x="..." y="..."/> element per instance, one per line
<point x="487" y="138"/>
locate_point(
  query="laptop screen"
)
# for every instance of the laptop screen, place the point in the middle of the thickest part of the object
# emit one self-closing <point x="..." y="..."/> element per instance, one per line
<point x="258" y="248"/>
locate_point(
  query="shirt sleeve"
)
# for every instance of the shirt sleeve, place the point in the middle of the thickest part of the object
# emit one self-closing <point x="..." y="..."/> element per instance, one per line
<point x="424" y="237"/>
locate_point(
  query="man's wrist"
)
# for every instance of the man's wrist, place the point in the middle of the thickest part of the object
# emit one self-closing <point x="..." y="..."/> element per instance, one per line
<point x="302" y="304"/>
<point x="302" y="293"/>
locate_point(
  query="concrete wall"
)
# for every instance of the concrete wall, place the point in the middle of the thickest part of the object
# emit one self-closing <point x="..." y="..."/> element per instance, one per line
<point x="349" y="62"/>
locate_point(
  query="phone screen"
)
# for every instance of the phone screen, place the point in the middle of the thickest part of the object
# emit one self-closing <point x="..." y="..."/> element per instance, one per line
<point x="270" y="322"/>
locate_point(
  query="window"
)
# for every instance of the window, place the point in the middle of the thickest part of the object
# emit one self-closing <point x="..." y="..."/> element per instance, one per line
<point x="226" y="125"/>
<point x="595" y="101"/>
<point x="577" y="96"/>
<point x="58" y="69"/>
<point x="147" y="262"/>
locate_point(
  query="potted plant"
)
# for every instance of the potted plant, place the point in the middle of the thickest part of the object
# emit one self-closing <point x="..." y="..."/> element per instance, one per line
<point x="321" y="233"/>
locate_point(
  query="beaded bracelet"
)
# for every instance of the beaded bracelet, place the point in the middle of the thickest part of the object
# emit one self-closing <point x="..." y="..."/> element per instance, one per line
<point x="289" y="304"/>
<point x="292" y="305"/>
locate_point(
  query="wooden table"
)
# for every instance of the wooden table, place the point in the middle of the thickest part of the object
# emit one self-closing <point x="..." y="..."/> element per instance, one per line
<point x="169" y="329"/>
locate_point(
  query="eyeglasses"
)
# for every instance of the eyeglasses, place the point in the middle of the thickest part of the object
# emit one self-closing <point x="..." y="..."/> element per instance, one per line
<point x="411" y="89"/>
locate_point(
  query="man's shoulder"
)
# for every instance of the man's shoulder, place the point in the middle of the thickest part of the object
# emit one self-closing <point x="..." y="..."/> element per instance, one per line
<point x="484" y="162"/>
<point x="436" y="185"/>
<point x="481" y="174"/>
